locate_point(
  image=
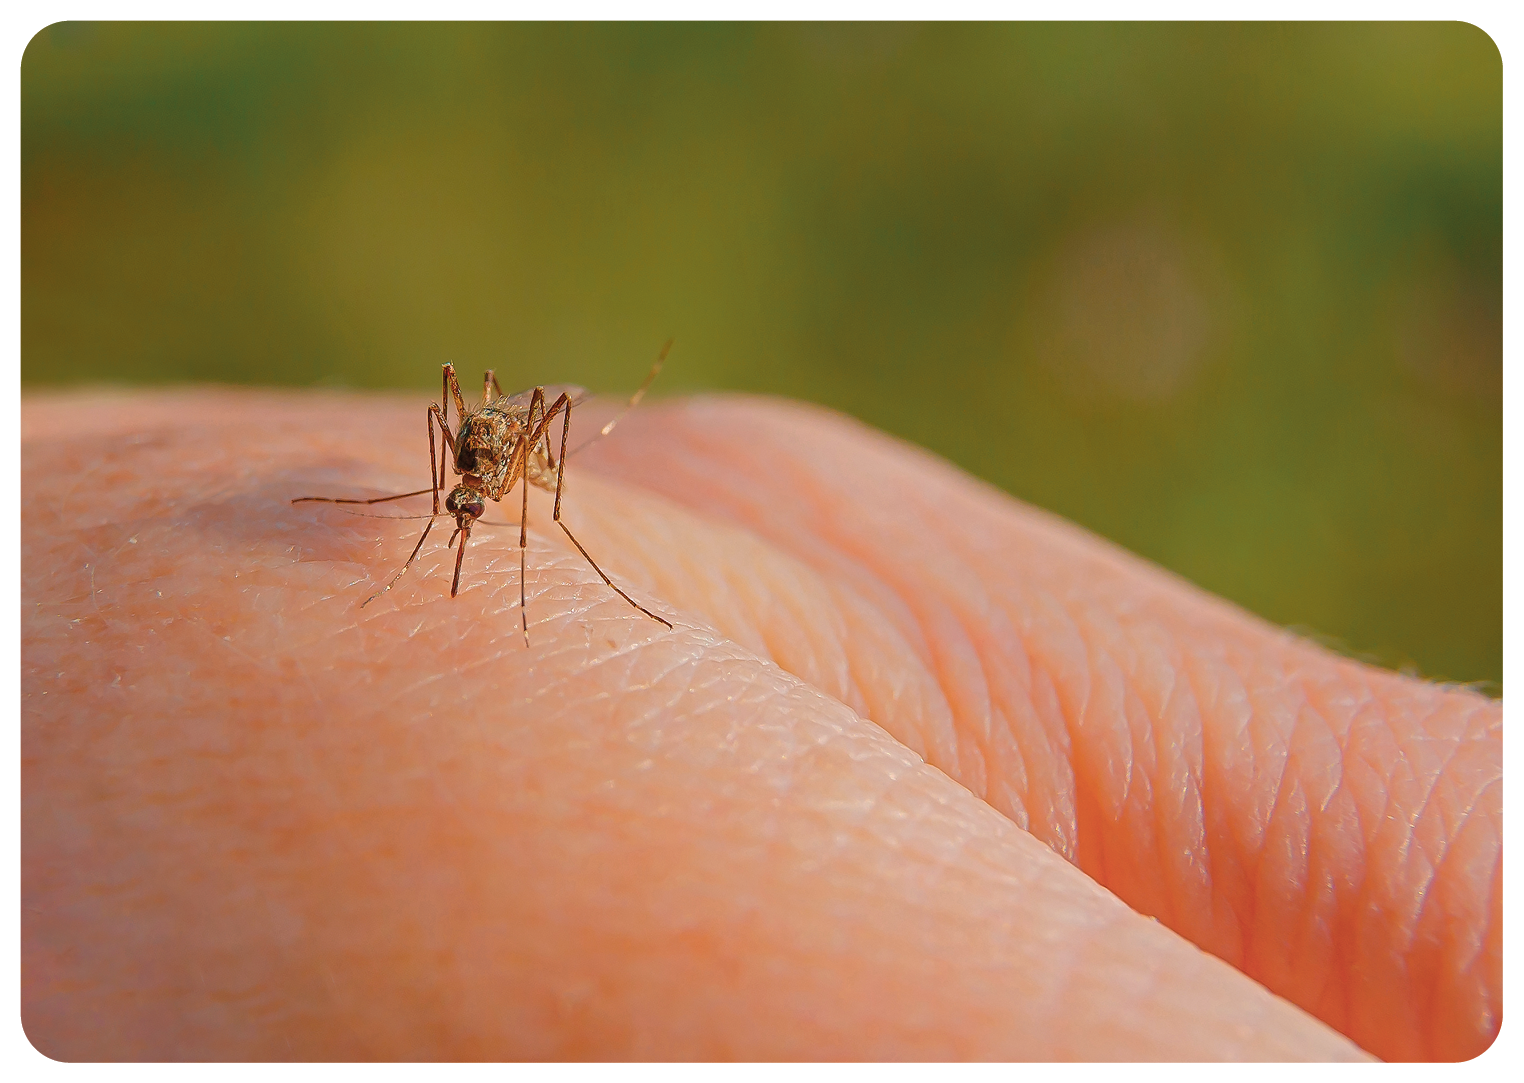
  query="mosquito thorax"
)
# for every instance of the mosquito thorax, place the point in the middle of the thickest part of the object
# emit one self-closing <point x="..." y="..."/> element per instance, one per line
<point x="466" y="456"/>
<point x="464" y="501"/>
<point x="485" y="439"/>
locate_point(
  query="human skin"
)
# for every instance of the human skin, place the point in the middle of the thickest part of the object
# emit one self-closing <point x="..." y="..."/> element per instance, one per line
<point x="912" y="775"/>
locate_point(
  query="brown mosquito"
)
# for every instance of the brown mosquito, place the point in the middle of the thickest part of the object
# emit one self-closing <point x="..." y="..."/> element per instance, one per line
<point x="503" y="443"/>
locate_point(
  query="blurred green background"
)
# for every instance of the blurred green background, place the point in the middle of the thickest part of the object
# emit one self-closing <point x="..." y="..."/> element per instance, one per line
<point x="1230" y="295"/>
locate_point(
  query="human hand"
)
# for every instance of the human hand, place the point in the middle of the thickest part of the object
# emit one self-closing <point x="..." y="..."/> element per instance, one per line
<point x="260" y="822"/>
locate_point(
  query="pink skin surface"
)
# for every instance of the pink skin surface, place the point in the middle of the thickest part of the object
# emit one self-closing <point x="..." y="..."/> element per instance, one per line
<point x="920" y="772"/>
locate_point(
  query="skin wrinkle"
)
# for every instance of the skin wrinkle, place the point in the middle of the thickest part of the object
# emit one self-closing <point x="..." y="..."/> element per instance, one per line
<point x="1062" y="831"/>
<point x="955" y="668"/>
<point x="1314" y="757"/>
<point x="1221" y="932"/>
<point x="1058" y="648"/>
<point x="807" y="631"/>
<point x="1394" y="837"/>
<point x="1107" y="748"/>
<point x="1182" y="705"/>
<point x="807" y="639"/>
<point x="913" y="695"/>
<point x="1467" y="817"/>
<point x="1280" y="867"/>
<point x="1491" y="1006"/>
<point x="1328" y="856"/>
<point x="854" y="675"/>
<point x="1398" y="774"/>
<point x="1009" y="708"/>
<point x="958" y="665"/>
<point x="1026" y="736"/>
<point x="1168" y="797"/>
<point x="1074" y="671"/>
<point x="1253" y="820"/>
<point x="963" y="751"/>
<point x="1149" y="859"/>
<point x="1431" y="960"/>
<point x="1430" y="851"/>
<point x="1477" y="944"/>
<point x="1367" y="772"/>
<point x="1337" y="993"/>
<point x="700" y="459"/>
<point x="886" y="713"/>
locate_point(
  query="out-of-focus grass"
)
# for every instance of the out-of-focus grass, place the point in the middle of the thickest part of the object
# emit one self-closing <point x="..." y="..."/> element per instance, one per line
<point x="1230" y="295"/>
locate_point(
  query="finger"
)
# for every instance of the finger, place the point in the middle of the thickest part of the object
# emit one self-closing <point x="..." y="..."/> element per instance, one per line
<point x="259" y="822"/>
<point x="1330" y="828"/>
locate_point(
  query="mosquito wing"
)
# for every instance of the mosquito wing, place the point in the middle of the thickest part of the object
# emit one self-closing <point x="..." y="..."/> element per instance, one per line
<point x="519" y="403"/>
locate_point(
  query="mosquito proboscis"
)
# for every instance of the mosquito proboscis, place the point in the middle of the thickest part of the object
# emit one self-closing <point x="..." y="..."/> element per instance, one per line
<point x="502" y="443"/>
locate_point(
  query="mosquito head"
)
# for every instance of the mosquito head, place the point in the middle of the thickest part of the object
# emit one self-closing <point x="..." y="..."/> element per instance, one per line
<point x="464" y="503"/>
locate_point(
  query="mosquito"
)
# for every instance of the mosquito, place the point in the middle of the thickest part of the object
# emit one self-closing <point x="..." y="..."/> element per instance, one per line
<point x="503" y="443"/>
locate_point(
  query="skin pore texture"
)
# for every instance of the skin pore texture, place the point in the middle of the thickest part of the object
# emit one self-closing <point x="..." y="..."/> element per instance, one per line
<point x="920" y="772"/>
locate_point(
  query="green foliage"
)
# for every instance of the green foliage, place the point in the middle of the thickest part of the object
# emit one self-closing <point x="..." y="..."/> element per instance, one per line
<point x="1228" y="294"/>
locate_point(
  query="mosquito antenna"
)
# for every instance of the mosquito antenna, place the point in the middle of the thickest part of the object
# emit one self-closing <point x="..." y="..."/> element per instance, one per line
<point x="374" y="515"/>
<point x="489" y="383"/>
<point x="343" y="500"/>
<point x="634" y="401"/>
<point x="400" y="518"/>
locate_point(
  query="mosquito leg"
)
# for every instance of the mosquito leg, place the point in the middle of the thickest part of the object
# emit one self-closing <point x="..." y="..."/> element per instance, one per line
<point x="634" y="401"/>
<point x="535" y="421"/>
<point x="516" y="476"/>
<point x="606" y="579"/>
<point x="516" y="465"/>
<point x="436" y="476"/>
<point x="521" y="455"/>
<point x="426" y="528"/>
<point x="561" y="470"/>
<point x="524" y="521"/>
<point x="560" y="479"/>
<point x="550" y="460"/>
<point x="523" y="548"/>
<point x="444" y="430"/>
<point x="452" y="391"/>
<point x="536" y="402"/>
<point x="540" y="434"/>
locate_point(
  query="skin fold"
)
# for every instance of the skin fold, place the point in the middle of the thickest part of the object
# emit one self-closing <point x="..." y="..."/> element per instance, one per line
<point x="921" y="772"/>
